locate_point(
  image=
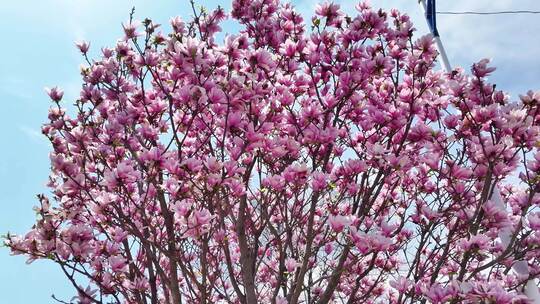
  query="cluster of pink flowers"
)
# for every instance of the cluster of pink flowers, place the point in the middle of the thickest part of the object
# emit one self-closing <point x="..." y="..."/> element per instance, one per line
<point x="326" y="162"/>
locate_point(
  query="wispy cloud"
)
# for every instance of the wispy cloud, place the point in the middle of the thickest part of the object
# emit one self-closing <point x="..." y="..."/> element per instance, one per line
<point x="15" y="87"/>
<point x="33" y="134"/>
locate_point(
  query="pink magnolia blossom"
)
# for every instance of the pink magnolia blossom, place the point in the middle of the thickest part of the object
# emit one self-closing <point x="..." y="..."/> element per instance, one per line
<point x="130" y="30"/>
<point x="338" y="222"/>
<point x="534" y="221"/>
<point x="83" y="46"/>
<point x="178" y="25"/>
<point x="117" y="263"/>
<point x="320" y="181"/>
<point x="291" y="265"/>
<point x="401" y="284"/>
<point x="439" y="294"/>
<point x="326" y="161"/>
<point x="55" y="93"/>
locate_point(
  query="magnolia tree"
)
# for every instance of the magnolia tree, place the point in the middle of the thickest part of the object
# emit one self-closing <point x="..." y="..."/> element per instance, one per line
<point x="326" y="162"/>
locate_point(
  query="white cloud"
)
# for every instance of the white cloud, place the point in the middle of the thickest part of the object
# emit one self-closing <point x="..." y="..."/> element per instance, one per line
<point x="15" y="87"/>
<point x="33" y="134"/>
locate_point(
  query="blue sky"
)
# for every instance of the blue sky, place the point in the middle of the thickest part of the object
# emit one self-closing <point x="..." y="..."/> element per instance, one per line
<point x="38" y="51"/>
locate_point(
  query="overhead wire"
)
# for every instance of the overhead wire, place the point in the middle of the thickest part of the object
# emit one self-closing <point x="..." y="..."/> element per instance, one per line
<point x="489" y="13"/>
